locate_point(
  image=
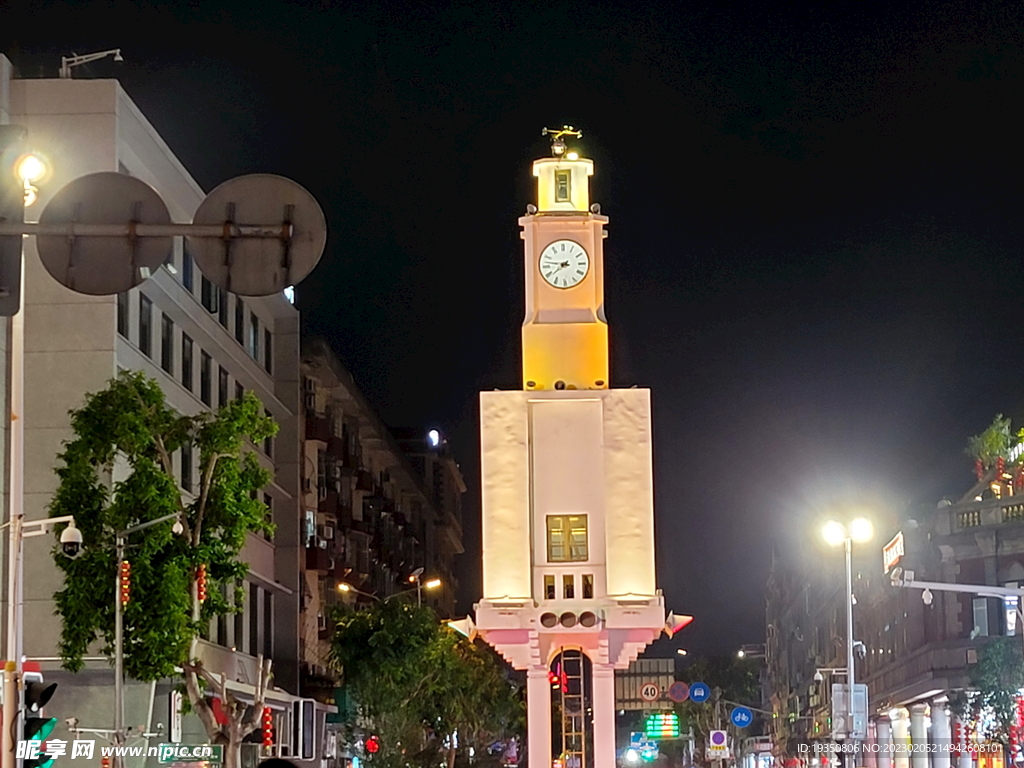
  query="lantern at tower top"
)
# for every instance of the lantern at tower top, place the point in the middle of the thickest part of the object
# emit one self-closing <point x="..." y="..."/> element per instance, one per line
<point x="563" y="180"/>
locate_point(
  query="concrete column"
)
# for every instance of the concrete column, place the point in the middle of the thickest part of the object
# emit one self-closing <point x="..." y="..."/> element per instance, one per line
<point x="883" y="737"/>
<point x="918" y="735"/>
<point x="940" y="736"/>
<point x="869" y="757"/>
<point x="604" y="715"/>
<point x="538" y="717"/>
<point x="901" y="735"/>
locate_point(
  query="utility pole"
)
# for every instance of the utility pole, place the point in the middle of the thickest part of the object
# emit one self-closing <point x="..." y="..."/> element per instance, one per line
<point x="716" y="696"/>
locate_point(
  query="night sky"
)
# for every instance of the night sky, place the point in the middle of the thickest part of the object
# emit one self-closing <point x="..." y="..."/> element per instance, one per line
<point x="814" y="253"/>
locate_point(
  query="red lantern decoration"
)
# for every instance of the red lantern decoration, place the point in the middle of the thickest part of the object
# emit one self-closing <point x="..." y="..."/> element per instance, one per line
<point x="104" y="762"/>
<point x="268" y="727"/>
<point x="373" y="745"/>
<point x="1000" y="468"/>
<point x="979" y="469"/>
<point x="201" y="582"/>
<point x="126" y="581"/>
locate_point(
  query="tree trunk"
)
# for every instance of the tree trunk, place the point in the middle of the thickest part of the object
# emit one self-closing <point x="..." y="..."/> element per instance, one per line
<point x="451" y="753"/>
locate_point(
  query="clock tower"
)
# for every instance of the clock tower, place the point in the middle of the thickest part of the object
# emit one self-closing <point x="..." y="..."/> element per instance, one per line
<point x="566" y="487"/>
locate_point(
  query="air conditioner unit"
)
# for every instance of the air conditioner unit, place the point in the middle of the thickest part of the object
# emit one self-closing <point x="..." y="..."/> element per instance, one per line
<point x="322" y="543"/>
<point x="328" y="532"/>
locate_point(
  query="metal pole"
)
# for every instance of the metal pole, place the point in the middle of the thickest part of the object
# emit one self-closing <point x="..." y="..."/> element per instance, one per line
<point x="15" y="565"/>
<point x="419" y="594"/>
<point x="119" y="653"/>
<point x="849" y="648"/>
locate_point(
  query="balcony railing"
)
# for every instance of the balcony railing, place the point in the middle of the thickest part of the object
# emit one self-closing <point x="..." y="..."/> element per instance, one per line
<point x="978" y="514"/>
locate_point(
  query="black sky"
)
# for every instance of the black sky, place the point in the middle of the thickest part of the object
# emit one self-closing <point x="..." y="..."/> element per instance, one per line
<point x="814" y="257"/>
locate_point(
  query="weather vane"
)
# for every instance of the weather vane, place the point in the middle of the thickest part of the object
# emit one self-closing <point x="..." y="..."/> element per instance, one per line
<point x="557" y="138"/>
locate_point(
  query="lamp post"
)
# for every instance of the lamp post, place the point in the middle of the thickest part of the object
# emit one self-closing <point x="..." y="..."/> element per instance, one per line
<point x="834" y="533"/>
<point x="121" y="544"/>
<point x="431" y="584"/>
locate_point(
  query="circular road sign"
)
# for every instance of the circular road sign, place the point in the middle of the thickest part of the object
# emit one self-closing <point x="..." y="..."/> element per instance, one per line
<point x="718" y="738"/>
<point x="700" y="692"/>
<point x="679" y="691"/>
<point x="650" y="691"/>
<point x="741" y="717"/>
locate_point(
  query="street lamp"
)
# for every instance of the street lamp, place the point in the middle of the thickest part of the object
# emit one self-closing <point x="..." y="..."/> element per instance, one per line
<point x="432" y="584"/>
<point x="681" y="651"/>
<point x="835" y="533"/>
<point x="121" y="544"/>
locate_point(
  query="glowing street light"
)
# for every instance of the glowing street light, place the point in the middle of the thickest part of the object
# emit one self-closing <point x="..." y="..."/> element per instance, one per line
<point x="29" y="169"/>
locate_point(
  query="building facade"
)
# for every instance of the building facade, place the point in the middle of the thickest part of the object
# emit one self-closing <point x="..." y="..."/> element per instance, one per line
<point x="204" y="347"/>
<point x="375" y="509"/>
<point x="920" y="650"/>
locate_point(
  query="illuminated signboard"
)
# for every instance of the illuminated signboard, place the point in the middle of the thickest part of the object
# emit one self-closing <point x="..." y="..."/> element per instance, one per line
<point x="662" y="725"/>
<point x="892" y="552"/>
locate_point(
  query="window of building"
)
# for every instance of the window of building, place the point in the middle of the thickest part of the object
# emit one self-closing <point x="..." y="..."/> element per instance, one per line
<point x="205" y="376"/>
<point x="209" y="294"/>
<point x="268" y="444"/>
<point x="567" y="538"/>
<point x="549" y="587"/>
<point x="268" y="342"/>
<point x="268" y="624"/>
<point x="239" y="320"/>
<point x="254" y="618"/>
<point x="239" y="391"/>
<point x="588" y="586"/>
<point x="186" y="466"/>
<point x="145" y="325"/>
<point x="222" y="386"/>
<point x="186" y="361"/>
<point x="240" y="635"/>
<point x="187" y="269"/>
<point x="166" y="343"/>
<point x="268" y="500"/>
<point x="980" y="605"/>
<point x="562" y="186"/>
<point x="222" y="307"/>
<point x="1010" y="610"/>
<point x="568" y="586"/>
<point x="254" y="336"/>
<point x="122" y="314"/>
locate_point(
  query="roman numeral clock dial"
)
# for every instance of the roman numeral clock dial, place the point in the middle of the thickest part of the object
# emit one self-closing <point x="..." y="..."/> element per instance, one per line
<point x="564" y="264"/>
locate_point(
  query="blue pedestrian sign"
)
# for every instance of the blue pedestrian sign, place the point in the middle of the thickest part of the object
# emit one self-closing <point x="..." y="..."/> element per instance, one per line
<point x="741" y="717"/>
<point x="700" y="692"/>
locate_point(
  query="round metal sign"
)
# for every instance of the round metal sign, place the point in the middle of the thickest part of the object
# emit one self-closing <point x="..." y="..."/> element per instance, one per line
<point x="100" y="266"/>
<point x="650" y="691"/>
<point x="699" y="692"/>
<point x="260" y="266"/>
<point x="679" y="691"/>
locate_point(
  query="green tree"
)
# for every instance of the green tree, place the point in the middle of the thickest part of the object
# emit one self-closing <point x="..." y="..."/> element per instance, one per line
<point x="993" y="443"/>
<point x="730" y="678"/>
<point x="416" y="682"/>
<point x="995" y="681"/>
<point x="128" y="431"/>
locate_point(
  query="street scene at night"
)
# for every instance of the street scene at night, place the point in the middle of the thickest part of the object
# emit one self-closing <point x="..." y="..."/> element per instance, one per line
<point x="511" y="385"/>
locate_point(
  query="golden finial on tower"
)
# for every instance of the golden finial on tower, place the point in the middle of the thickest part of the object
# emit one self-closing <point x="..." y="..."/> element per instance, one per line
<point x="558" y="138"/>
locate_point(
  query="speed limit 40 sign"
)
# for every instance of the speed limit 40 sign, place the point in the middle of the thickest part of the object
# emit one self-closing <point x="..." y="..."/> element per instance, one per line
<point x="650" y="691"/>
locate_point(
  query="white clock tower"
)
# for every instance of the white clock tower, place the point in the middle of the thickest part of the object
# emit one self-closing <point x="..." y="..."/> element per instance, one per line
<point x="568" y="511"/>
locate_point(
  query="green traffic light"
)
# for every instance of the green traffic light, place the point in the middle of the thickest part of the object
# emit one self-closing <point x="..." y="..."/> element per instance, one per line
<point x="38" y="728"/>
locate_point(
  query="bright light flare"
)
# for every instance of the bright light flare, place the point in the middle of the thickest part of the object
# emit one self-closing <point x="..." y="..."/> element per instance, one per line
<point x="30" y="168"/>
<point x="833" y="533"/>
<point x="572" y="156"/>
<point x="432" y="584"/>
<point x="861" y="530"/>
<point x="681" y="651"/>
<point x="343" y="587"/>
<point x="632" y="756"/>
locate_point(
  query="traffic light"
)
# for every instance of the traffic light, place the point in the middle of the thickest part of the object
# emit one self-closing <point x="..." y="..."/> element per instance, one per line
<point x="12" y="211"/>
<point x="37" y="726"/>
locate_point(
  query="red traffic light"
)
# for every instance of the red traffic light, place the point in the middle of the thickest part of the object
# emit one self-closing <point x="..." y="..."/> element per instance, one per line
<point x="373" y="745"/>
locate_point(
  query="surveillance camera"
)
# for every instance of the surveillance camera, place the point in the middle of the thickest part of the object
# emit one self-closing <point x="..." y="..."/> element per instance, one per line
<point x="71" y="723"/>
<point x="71" y="541"/>
<point x="177" y="529"/>
<point x="860" y="649"/>
<point x="927" y="597"/>
<point x="818" y="677"/>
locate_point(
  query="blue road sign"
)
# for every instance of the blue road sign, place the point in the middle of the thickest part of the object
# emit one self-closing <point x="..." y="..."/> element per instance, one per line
<point x="700" y="692"/>
<point x="741" y="717"/>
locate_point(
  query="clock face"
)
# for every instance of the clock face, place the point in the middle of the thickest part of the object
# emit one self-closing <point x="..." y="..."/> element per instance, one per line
<point x="564" y="263"/>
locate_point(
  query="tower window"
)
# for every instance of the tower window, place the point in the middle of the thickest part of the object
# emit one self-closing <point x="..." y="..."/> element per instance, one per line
<point x="549" y="587"/>
<point x="563" y="186"/>
<point x="588" y="586"/>
<point x="567" y="538"/>
<point x="569" y="586"/>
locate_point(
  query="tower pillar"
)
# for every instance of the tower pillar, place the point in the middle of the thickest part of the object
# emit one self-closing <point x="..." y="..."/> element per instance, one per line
<point x="538" y="717"/>
<point x="603" y="692"/>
